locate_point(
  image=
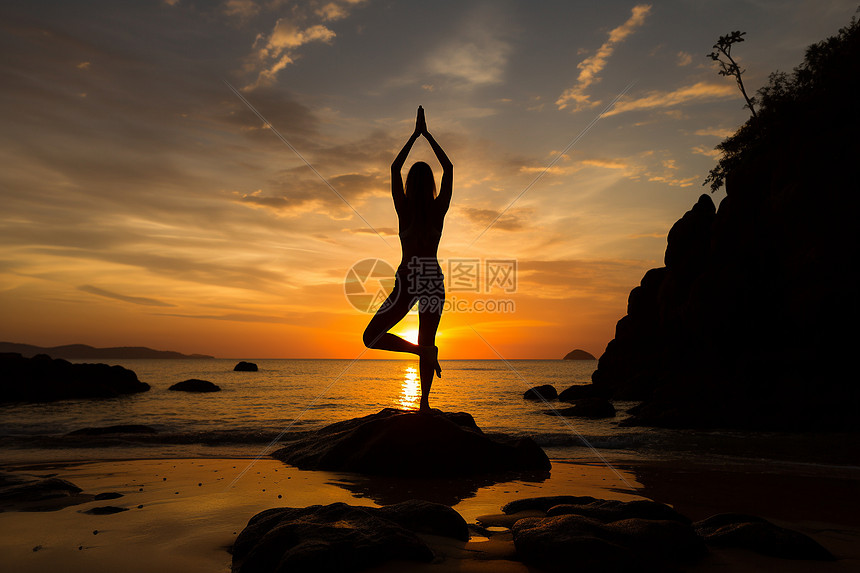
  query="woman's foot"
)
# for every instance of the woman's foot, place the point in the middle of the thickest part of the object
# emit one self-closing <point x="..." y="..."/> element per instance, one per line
<point x="436" y="367"/>
<point x="424" y="408"/>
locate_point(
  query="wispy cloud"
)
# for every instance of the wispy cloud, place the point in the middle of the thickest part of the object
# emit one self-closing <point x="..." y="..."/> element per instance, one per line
<point x="141" y="300"/>
<point x="507" y="222"/>
<point x="591" y="67"/>
<point x="695" y="93"/>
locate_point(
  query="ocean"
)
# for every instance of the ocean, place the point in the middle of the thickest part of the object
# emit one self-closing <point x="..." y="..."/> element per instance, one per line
<point x="255" y="410"/>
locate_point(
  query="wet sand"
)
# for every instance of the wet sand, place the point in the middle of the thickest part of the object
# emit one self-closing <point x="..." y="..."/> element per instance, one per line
<point x="183" y="514"/>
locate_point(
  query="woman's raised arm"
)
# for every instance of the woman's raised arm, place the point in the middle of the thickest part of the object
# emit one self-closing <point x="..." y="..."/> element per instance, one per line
<point x="447" y="184"/>
<point x="397" y="192"/>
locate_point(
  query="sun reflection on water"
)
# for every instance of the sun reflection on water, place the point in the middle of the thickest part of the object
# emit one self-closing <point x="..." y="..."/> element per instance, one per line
<point x="410" y="389"/>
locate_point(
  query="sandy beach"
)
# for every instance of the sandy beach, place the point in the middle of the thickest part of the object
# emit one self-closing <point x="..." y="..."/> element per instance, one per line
<point x="184" y="514"/>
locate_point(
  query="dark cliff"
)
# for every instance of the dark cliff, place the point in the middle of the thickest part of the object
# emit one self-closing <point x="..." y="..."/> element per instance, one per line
<point x="752" y="322"/>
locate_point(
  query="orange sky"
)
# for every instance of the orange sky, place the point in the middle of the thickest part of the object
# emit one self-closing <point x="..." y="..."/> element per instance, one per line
<point x="145" y="204"/>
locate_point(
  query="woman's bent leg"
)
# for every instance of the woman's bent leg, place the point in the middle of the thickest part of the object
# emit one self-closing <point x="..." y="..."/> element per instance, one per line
<point x="392" y="311"/>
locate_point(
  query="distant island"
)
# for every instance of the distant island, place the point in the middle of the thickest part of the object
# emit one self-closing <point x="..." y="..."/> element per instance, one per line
<point x="83" y="351"/>
<point x="579" y="354"/>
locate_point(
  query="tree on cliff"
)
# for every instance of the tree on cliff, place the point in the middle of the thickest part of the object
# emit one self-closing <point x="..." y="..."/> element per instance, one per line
<point x="822" y="87"/>
<point x="722" y="54"/>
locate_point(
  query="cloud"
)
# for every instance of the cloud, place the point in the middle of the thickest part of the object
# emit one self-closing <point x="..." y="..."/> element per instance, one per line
<point x="696" y="93"/>
<point x="507" y="222"/>
<point x="141" y="300"/>
<point x="685" y="59"/>
<point x="595" y="280"/>
<point x="242" y="9"/>
<point x="279" y="48"/>
<point x="294" y="195"/>
<point x="591" y="67"/>
<point x="368" y="231"/>
<point x="476" y="54"/>
<point x="706" y="151"/>
<point x="721" y="132"/>
<point x="477" y="60"/>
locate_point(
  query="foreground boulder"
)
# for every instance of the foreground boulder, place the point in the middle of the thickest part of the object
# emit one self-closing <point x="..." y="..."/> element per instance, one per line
<point x="544" y="392"/>
<point x="341" y="537"/>
<point x="406" y="443"/>
<point x="572" y="542"/>
<point x="759" y="535"/>
<point x="245" y="367"/>
<point x="604" y="510"/>
<point x="195" y="385"/>
<point x="43" y="379"/>
<point x="589" y="534"/>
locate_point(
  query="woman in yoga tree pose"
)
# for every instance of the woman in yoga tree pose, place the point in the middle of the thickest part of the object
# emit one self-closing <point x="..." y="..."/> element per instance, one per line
<point x="420" y="213"/>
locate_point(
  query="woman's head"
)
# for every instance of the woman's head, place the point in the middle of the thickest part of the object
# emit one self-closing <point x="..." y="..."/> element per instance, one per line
<point x="420" y="184"/>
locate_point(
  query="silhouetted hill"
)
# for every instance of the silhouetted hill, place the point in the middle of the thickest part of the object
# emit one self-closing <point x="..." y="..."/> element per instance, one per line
<point x="578" y="354"/>
<point x="752" y="322"/>
<point x="83" y="351"/>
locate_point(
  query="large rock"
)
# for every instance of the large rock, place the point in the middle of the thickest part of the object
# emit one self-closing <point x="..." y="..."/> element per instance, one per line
<point x="245" y="367"/>
<point x="544" y="392"/>
<point x="397" y="442"/>
<point x="43" y="379"/>
<point x="341" y="537"/>
<point x="195" y="385"/>
<point x="759" y="535"/>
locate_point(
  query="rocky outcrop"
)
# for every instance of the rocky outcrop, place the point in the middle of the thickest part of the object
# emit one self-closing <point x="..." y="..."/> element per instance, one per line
<point x="407" y="443"/>
<point x="341" y="537"/>
<point x="579" y="354"/>
<point x="739" y="328"/>
<point x="245" y="367"/>
<point x="751" y="322"/>
<point x="195" y="385"/>
<point x="545" y="392"/>
<point x="43" y="379"/>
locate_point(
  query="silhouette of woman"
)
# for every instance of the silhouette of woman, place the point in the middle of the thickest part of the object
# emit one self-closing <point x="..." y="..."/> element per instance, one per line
<point x="421" y="214"/>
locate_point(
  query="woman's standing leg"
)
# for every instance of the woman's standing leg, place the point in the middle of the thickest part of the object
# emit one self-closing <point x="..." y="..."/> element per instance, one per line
<point x="429" y="314"/>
